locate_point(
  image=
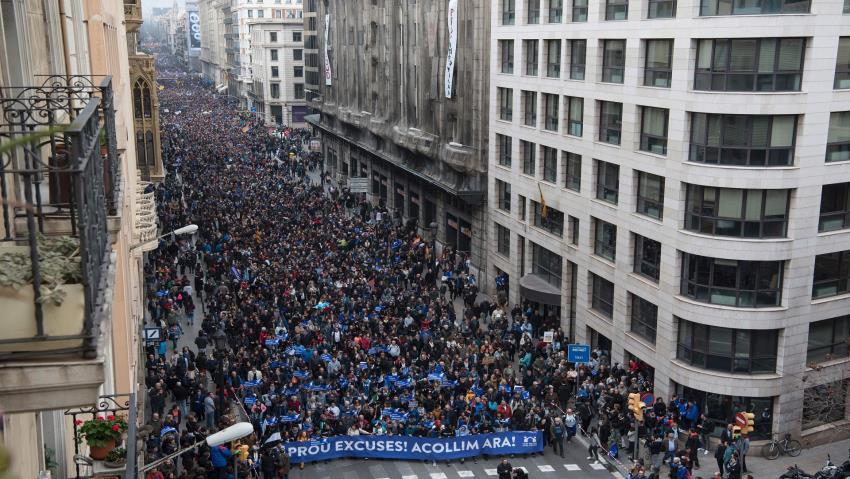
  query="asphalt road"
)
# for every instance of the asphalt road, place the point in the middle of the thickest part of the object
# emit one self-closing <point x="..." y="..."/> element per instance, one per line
<point x="573" y="465"/>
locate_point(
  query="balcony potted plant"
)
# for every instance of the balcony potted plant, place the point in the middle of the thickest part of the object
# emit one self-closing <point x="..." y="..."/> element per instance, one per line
<point x="101" y="434"/>
<point x="116" y="458"/>
<point x="62" y="295"/>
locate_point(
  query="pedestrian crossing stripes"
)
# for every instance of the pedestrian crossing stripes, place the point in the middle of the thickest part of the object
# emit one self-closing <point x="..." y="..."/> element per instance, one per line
<point x="493" y="472"/>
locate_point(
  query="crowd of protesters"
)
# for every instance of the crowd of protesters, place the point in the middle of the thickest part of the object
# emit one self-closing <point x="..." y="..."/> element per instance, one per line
<point x="340" y="319"/>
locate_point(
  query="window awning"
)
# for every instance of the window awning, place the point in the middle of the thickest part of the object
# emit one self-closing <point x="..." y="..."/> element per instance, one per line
<point x="535" y="288"/>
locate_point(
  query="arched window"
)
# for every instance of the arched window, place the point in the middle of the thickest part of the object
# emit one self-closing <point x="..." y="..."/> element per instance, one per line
<point x="150" y="148"/>
<point x="146" y="100"/>
<point x="137" y="100"/>
<point x="141" y="161"/>
<point x="142" y="99"/>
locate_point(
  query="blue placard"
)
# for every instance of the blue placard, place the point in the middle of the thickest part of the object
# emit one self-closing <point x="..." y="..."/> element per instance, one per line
<point x="410" y="448"/>
<point x="578" y="353"/>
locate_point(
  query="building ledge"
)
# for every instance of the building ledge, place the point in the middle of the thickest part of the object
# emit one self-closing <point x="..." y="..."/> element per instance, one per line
<point x="56" y="383"/>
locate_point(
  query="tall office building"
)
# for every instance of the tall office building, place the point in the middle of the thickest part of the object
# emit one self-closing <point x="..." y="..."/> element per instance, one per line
<point x="390" y="113"/>
<point x="277" y="70"/>
<point x="669" y="181"/>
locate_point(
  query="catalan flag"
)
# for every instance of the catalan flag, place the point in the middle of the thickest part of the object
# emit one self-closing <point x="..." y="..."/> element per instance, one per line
<point x="544" y="210"/>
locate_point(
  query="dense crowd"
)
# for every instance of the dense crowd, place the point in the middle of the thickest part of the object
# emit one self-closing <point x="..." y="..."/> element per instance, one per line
<point x="340" y="319"/>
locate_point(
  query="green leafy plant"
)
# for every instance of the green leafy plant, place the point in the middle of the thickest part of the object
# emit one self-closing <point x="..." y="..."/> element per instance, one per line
<point x="59" y="263"/>
<point x="119" y="454"/>
<point x="99" y="431"/>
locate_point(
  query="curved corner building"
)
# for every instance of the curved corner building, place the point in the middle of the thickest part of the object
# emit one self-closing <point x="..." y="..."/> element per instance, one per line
<point x="670" y="181"/>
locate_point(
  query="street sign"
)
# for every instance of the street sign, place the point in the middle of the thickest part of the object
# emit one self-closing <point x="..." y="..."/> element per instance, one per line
<point x="578" y="353"/>
<point x="647" y="398"/>
<point x="740" y="420"/>
<point x="358" y="185"/>
<point x="152" y="335"/>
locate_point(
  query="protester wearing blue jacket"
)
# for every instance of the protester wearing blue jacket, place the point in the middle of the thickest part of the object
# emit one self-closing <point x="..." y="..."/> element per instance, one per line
<point x="219" y="456"/>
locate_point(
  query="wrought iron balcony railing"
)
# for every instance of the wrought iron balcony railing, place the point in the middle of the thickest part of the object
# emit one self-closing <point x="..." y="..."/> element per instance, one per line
<point x="59" y="174"/>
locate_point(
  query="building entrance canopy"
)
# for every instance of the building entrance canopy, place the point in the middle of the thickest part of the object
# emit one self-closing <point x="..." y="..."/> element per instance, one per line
<point x="535" y="288"/>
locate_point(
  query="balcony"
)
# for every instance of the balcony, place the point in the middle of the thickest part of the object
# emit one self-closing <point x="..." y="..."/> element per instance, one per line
<point x="145" y="225"/>
<point x="59" y="183"/>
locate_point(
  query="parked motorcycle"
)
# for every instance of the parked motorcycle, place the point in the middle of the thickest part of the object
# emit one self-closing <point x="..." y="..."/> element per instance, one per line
<point x="795" y="472"/>
<point x="830" y="471"/>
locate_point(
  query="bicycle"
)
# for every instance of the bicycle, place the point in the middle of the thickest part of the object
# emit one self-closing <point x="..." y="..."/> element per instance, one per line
<point x="789" y="446"/>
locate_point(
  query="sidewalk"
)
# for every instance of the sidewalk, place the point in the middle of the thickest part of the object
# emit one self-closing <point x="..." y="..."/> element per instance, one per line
<point x="811" y="461"/>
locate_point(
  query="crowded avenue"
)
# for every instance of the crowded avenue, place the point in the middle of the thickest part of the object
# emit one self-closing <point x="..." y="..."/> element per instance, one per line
<point x="324" y="322"/>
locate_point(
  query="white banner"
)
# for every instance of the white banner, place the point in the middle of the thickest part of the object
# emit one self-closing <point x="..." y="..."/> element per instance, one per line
<point x="450" y="56"/>
<point x="327" y="57"/>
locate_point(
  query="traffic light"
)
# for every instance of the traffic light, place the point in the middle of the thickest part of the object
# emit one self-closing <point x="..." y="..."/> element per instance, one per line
<point x="636" y="406"/>
<point x="750" y="423"/>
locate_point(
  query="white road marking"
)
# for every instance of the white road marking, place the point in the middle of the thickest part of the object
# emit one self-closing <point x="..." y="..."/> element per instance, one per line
<point x="597" y="466"/>
<point x="410" y="477"/>
<point x="572" y="467"/>
<point x="465" y="473"/>
<point x="546" y="468"/>
<point x="438" y="475"/>
<point x="490" y="472"/>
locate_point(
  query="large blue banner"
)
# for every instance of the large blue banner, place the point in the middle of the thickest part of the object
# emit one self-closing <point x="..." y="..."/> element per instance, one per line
<point x="407" y="447"/>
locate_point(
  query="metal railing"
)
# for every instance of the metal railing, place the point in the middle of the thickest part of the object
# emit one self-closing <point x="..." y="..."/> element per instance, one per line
<point x="59" y="175"/>
<point x="117" y="405"/>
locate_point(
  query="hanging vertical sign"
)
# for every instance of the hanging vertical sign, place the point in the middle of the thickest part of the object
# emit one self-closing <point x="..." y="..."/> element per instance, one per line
<point x="450" y="56"/>
<point x="194" y="30"/>
<point x="327" y="57"/>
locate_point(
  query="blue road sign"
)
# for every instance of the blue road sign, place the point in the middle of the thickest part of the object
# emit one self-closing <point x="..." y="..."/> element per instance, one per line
<point x="578" y="353"/>
<point x="152" y="334"/>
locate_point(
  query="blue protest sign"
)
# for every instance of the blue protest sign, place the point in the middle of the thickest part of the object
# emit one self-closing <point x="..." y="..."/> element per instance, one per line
<point x="578" y="353"/>
<point x="416" y="448"/>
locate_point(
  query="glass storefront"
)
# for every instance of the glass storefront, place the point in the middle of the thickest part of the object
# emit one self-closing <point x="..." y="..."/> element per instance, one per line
<point x="721" y="409"/>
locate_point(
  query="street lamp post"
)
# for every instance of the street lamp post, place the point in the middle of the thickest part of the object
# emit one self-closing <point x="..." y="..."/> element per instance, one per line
<point x="232" y="433"/>
<point x="185" y="230"/>
<point x="220" y="340"/>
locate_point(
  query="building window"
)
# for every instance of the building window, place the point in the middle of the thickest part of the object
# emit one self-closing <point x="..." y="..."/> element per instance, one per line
<point x="579" y="10"/>
<point x="529" y="108"/>
<point x="604" y="239"/>
<point x="275" y="72"/>
<point x="250" y="13"/>
<point x="662" y="9"/>
<point x="299" y="91"/>
<point x="507" y="49"/>
<point x="653" y="130"/>
<point x="273" y="53"/>
<point x="658" y="71"/>
<point x="846" y="7"/>
<point x="650" y="195"/>
<point x="644" y="318"/>
<point x="610" y="122"/>
<point x="550" y="164"/>
<point x="548" y="219"/>
<point x="261" y="13"/>
<point x="578" y="59"/>
<point x="607" y="181"/>
<point x="647" y="258"/>
<point x="602" y="292"/>
<point x="503" y="240"/>
<point x="838" y="141"/>
<point x="613" y="60"/>
<point x="556" y="11"/>
<point x="275" y="90"/>
<point x="550" y="111"/>
<point x="842" y="64"/>
<point x="506" y="104"/>
<point x="743" y="140"/>
<point x="531" y="55"/>
<point x="572" y="171"/>
<point x="832" y="274"/>
<point x="298" y="55"/>
<point x="296" y="36"/>
<point x="721" y="409"/>
<point x="828" y="340"/>
<point x="573" y="230"/>
<point x="752" y="7"/>
<point x="736" y="212"/>
<point x="505" y="149"/>
<point x="616" y="9"/>
<point x="825" y="403"/>
<point x="728" y="282"/>
<point x="298" y="72"/>
<point x="546" y="264"/>
<point x="503" y="195"/>
<point x="575" y="115"/>
<point x="533" y="11"/>
<point x="725" y="349"/>
<point x="508" y="12"/>
<point x="553" y="58"/>
<point x="834" y="207"/>
<point x="272" y="37"/>
<point x="529" y="160"/>
<point x="749" y="64"/>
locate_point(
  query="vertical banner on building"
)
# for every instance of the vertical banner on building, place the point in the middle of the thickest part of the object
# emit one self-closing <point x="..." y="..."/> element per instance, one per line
<point x="450" y="56"/>
<point x="327" y="57"/>
<point x="194" y="30"/>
